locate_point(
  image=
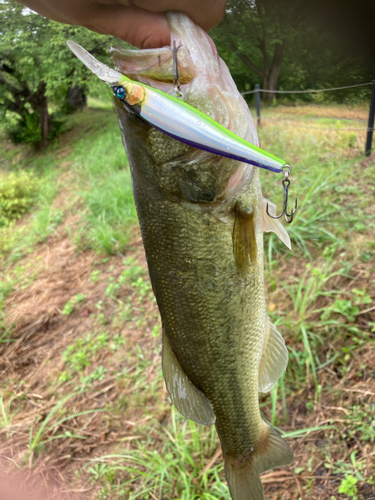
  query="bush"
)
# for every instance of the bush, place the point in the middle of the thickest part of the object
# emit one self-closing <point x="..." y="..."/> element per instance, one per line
<point x="28" y="131"/>
<point x="17" y="194"/>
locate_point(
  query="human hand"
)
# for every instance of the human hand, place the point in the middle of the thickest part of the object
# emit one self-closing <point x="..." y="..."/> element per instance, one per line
<point x="139" y="22"/>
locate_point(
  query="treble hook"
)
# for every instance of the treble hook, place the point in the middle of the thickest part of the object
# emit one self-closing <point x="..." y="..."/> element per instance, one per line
<point x="176" y="82"/>
<point x="286" y="183"/>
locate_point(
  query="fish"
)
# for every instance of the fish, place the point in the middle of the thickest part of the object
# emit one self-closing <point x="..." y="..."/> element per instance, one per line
<point x="202" y="218"/>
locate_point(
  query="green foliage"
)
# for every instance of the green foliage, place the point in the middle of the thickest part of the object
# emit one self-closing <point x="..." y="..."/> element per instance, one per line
<point x="78" y="356"/>
<point x="27" y="130"/>
<point x="106" y="188"/>
<point x="346" y="308"/>
<point x="72" y="303"/>
<point x="361" y="422"/>
<point x="348" y="486"/>
<point x="95" y="276"/>
<point x="312" y="57"/>
<point x="17" y="194"/>
<point x="36" y="65"/>
<point x="6" y="413"/>
<point x="131" y="275"/>
<point x="48" y="429"/>
<point x="172" y="471"/>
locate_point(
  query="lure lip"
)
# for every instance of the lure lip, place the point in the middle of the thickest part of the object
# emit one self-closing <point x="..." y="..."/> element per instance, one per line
<point x="102" y="71"/>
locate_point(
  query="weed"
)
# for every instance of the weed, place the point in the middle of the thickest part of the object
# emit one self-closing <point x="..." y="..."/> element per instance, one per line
<point x="108" y="191"/>
<point x="6" y="413"/>
<point x="361" y="422"/>
<point x="37" y="441"/>
<point x="78" y="356"/>
<point x="98" y="374"/>
<point x="132" y="275"/>
<point x="17" y="194"/>
<point x="348" y="486"/>
<point x="355" y="468"/>
<point x="95" y="276"/>
<point x="173" y="471"/>
<point x="155" y="331"/>
<point x="117" y="341"/>
<point x="345" y="308"/>
<point x="72" y="303"/>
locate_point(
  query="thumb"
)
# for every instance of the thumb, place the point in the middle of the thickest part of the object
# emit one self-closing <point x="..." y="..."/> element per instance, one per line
<point x="142" y="28"/>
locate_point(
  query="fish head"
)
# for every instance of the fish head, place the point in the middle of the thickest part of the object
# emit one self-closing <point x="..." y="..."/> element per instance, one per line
<point x="206" y="84"/>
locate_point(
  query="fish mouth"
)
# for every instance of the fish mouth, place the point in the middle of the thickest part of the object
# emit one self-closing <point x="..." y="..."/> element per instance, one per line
<point x="155" y="67"/>
<point x="206" y="83"/>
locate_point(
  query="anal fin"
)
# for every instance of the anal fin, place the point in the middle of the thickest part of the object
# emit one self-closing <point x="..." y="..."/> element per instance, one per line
<point x="274" y="225"/>
<point x="275" y="453"/>
<point x="188" y="400"/>
<point x="244" y="241"/>
<point x="274" y="359"/>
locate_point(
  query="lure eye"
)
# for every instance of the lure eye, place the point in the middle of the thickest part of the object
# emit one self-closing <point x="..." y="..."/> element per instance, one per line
<point x="120" y="92"/>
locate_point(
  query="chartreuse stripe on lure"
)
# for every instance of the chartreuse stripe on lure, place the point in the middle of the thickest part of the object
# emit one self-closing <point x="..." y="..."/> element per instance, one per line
<point x="189" y="125"/>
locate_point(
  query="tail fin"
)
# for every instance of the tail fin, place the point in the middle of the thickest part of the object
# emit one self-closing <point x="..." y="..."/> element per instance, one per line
<point x="243" y="479"/>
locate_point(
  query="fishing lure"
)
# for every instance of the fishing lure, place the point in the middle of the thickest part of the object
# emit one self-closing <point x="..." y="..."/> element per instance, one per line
<point x="177" y="118"/>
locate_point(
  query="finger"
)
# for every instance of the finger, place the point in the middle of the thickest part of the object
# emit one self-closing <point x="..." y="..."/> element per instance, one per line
<point x="206" y="13"/>
<point x="141" y="28"/>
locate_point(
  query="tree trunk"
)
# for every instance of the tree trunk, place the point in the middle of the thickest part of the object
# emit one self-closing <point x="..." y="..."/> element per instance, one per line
<point x="39" y="102"/>
<point x="76" y="98"/>
<point x="270" y="72"/>
<point x="271" y="77"/>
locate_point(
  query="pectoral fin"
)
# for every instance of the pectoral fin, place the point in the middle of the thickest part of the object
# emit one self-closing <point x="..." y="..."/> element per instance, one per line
<point x="244" y="241"/>
<point x="188" y="400"/>
<point x="274" y="225"/>
<point x="274" y="358"/>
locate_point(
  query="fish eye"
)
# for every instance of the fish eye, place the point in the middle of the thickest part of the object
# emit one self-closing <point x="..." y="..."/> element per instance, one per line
<point x="120" y="92"/>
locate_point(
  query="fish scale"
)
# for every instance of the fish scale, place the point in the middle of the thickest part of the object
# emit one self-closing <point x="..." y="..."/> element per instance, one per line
<point x="202" y="219"/>
<point x="198" y="342"/>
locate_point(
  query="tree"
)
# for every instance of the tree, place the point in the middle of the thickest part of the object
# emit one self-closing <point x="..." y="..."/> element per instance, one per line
<point x="258" y="33"/>
<point x="36" y="65"/>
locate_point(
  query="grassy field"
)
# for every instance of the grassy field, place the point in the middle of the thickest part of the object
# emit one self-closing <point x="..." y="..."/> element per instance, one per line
<point x="83" y="407"/>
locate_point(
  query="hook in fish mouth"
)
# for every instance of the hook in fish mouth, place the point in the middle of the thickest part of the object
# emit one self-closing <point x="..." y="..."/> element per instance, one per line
<point x="176" y="83"/>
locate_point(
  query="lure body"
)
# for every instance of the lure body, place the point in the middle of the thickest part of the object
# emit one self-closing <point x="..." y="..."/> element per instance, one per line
<point x="177" y="118"/>
<point x="189" y="125"/>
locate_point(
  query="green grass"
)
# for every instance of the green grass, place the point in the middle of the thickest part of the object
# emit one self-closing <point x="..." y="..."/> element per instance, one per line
<point x="316" y="295"/>
<point x="105" y="187"/>
<point x="96" y="185"/>
<point x="176" y="469"/>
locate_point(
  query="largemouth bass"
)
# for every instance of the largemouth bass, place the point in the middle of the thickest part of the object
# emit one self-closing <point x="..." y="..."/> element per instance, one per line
<point x="202" y="218"/>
